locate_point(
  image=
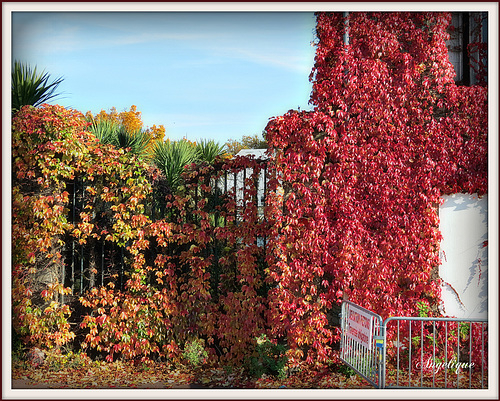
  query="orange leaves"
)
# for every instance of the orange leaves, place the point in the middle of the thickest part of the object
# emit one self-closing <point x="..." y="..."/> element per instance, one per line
<point x="157" y="133"/>
<point x="102" y="318"/>
<point x="31" y="257"/>
<point x="131" y="119"/>
<point x="49" y="146"/>
<point x="178" y="286"/>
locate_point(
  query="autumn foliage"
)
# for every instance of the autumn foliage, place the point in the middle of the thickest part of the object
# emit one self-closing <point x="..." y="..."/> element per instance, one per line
<point x="131" y="121"/>
<point x="351" y="209"/>
<point x="50" y="149"/>
<point x="364" y="171"/>
<point x="176" y="291"/>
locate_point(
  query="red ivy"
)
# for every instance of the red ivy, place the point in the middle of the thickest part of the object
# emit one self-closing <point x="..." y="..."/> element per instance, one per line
<point x="362" y="174"/>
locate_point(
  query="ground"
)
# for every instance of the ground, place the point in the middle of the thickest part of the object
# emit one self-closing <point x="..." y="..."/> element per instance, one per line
<point x="120" y="374"/>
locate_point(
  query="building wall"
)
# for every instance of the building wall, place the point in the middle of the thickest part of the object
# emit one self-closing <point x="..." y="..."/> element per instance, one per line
<point x="464" y="255"/>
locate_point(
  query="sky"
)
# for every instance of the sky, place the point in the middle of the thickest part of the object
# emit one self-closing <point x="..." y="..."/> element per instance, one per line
<point x="203" y="75"/>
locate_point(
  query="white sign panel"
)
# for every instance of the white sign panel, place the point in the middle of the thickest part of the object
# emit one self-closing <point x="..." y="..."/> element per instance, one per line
<point x="359" y="326"/>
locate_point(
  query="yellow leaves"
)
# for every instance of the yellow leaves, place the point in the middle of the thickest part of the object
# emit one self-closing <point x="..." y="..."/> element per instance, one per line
<point x="131" y="119"/>
<point x="53" y="305"/>
<point x="85" y="217"/>
<point x="157" y="133"/>
<point x="119" y="208"/>
<point x="87" y="304"/>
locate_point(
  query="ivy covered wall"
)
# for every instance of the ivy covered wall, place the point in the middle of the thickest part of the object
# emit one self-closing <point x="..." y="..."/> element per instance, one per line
<point x="363" y="172"/>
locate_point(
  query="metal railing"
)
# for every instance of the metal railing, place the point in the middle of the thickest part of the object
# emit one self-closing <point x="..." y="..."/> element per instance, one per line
<point x="415" y="352"/>
<point x="427" y="352"/>
<point x="97" y="261"/>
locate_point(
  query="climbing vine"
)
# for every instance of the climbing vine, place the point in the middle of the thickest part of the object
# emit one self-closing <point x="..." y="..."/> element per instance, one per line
<point x="362" y="174"/>
<point x="50" y="149"/>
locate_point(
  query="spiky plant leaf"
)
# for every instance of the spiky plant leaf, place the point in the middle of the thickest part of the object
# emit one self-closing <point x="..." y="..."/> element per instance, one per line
<point x="209" y="150"/>
<point x="30" y="87"/>
<point x="137" y="141"/>
<point x="172" y="157"/>
<point x="105" y="130"/>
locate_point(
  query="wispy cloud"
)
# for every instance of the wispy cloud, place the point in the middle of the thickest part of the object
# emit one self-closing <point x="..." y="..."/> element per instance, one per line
<point x="154" y="37"/>
<point x="73" y="33"/>
<point x="275" y="57"/>
<point x="75" y="40"/>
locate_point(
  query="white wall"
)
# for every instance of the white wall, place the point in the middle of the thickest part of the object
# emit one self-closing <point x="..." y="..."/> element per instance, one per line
<point x="464" y="255"/>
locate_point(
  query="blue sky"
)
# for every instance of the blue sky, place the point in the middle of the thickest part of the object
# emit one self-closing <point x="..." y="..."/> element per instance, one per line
<point x="203" y="75"/>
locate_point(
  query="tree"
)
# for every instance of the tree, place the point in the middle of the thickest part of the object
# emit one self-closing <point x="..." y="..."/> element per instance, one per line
<point x="130" y="119"/>
<point x="247" y="142"/>
<point x="30" y="87"/>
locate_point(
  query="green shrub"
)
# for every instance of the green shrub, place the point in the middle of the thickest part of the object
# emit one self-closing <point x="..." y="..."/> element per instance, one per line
<point x="269" y="359"/>
<point x="195" y="352"/>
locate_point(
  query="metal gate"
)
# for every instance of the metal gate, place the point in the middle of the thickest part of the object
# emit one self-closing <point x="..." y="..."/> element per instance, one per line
<point x="361" y="342"/>
<point x="415" y="352"/>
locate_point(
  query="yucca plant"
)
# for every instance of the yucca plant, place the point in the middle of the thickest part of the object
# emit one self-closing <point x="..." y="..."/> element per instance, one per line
<point x="172" y="157"/>
<point x="30" y="87"/>
<point x="137" y="141"/>
<point x="209" y="150"/>
<point x="105" y="130"/>
<point x="112" y="132"/>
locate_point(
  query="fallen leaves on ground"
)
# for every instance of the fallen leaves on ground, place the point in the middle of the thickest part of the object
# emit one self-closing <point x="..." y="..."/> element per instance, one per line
<point x="320" y="377"/>
<point x="444" y="378"/>
<point x="106" y="375"/>
<point x="123" y="374"/>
